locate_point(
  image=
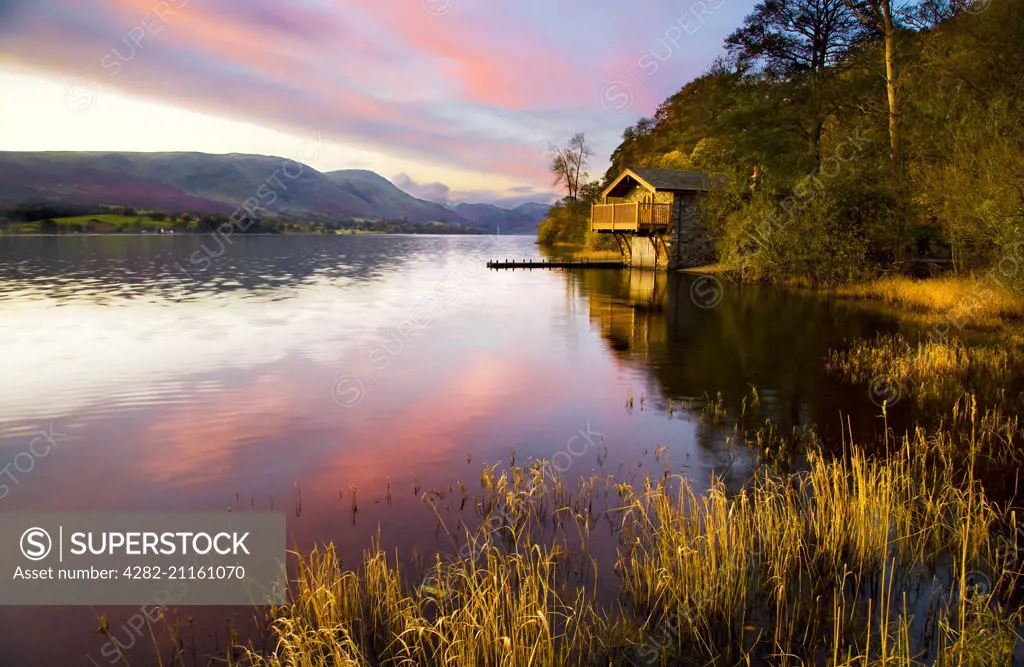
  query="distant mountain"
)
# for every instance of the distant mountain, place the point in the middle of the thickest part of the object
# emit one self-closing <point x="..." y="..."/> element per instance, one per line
<point x="193" y="182"/>
<point x="206" y="183"/>
<point x="533" y="210"/>
<point x="522" y="219"/>
<point x="387" y="200"/>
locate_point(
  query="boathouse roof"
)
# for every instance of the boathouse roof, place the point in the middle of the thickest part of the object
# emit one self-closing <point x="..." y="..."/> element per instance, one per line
<point x="666" y="180"/>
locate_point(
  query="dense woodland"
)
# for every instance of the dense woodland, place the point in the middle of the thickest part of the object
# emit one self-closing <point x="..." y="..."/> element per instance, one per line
<point x="856" y="138"/>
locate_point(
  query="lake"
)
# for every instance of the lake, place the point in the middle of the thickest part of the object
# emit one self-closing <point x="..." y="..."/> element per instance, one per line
<point x="295" y="367"/>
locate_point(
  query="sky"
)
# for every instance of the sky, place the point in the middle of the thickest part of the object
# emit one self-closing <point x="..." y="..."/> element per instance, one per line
<point x="453" y="100"/>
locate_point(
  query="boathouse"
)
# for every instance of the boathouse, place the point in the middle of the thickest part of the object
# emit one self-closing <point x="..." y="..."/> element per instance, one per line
<point x="652" y="214"/>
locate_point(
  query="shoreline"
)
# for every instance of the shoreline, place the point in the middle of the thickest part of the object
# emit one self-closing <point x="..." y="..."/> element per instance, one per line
<point x="211" y="233"/>
<point x="953" y="304"/>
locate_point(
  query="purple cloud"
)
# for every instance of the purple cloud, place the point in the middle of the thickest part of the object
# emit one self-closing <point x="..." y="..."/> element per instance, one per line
<point x="478" y="87"/>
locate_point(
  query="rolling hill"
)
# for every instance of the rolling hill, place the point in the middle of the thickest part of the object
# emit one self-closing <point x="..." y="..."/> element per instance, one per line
<point x="522" y="219"/>
<point x="207" y="183"/>
<point x="387" y="200"/>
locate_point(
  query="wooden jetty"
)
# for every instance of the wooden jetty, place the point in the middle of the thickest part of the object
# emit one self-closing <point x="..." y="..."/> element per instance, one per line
<point x="554" y="264"/>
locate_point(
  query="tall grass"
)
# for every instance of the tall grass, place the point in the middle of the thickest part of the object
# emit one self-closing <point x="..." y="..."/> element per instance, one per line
<point x="965" y="303"/>
<point x="855" y="560"/>
<point x="935" y="373"/>
<point x="816" y="568"/>
<point x="501" y="610"/>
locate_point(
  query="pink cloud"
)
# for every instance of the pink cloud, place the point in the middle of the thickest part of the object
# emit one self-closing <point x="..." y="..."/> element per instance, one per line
<point x="513" y="66"/>
<point x="476" y="88"/>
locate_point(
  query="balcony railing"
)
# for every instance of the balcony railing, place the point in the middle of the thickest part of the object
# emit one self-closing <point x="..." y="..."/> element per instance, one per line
<point x="631" y="217"/>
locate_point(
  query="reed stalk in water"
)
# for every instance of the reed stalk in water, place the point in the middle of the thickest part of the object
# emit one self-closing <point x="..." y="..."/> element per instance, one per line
<point x="853" y="560"/>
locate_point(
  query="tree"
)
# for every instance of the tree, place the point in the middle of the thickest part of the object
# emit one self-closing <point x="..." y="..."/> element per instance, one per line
<point x="877" y="16"/>
<point x="963" y="136"/>
<point x="569" y="164"/>
<point x="914" y="133"/>
<point x="794" y="45"/>
<point x="590" y="192"/>
<point x="788" y="37"/>
<point x="930" y="13"/>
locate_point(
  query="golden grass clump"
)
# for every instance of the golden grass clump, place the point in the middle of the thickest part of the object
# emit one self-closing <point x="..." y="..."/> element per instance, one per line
<point x="593" y="255"/>
<point x="934" y="373"/>
<point x="713" y="410"/>
<point x="499" y="611"/>
<point x="855" y="560"/>
<point x="965" y="303"/>
<point x="832" y="554"/>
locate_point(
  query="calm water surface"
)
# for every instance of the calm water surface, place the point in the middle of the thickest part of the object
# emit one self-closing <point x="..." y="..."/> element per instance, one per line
<point x="327" y="362"/>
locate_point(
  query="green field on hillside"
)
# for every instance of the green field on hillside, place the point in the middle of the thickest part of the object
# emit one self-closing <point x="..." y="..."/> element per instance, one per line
<point x="113" y="219"/>
<point x="100" y="222"/>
